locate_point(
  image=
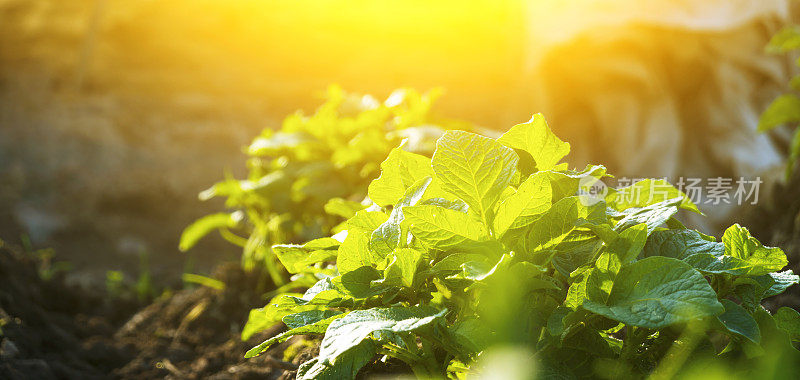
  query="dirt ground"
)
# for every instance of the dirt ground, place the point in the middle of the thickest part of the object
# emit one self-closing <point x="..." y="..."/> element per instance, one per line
<point x="54" y="331"/>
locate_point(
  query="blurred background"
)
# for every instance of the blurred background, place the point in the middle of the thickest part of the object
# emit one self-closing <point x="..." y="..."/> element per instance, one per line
<point x="114" y="114"/>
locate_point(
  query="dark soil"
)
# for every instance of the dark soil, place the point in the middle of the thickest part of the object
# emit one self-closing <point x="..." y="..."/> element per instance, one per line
<point x="53" y="331"/>
<point x="776" y="222"/>
<point x="195" y="334"/>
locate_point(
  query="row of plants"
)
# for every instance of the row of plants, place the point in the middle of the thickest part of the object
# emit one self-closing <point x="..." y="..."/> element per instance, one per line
<point x="306" y="176"/>
<point x="494" y="242"/>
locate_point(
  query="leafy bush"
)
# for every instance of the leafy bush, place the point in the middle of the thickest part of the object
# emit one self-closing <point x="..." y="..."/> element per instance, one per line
<point x="786" y="108"/>
<point x="494" y="243"/>
<point x="310" y="164"/>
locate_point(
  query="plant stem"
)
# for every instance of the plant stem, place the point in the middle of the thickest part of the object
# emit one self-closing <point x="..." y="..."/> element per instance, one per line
<point x="630" y="345"/>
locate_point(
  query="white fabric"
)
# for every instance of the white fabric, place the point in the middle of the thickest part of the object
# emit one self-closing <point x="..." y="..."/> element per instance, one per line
<point x="660" y="88"/>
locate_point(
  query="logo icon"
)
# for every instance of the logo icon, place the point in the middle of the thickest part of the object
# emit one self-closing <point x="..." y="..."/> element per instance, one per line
<point x="591" y="191"/>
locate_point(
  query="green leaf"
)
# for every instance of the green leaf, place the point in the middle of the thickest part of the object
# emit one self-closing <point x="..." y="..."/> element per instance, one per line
<point x="366" y="221"/>
<point x="471" y="334"/>
<point x="387" y="236"/>
<point x="308" y="317"/>
<point x="443" y="228"/>
<point x="566" y="183"/>
<point x="653" y="215"/>
<point x="457" y="205"/>
<point x="297" y="258"/>
<point x="647" y="192"/>
<point x="738" y="321"/>
<point x="203" y="280"/>
<point x="577" y="293"/>
<point x="533" y="198"/>
<point x="781" y="282"/>
<point x="629" y="243"/>
<point x="657" y="292"/>
<point x="785" y="109"/>
<point x="536" y="139"/>
<point x="402" y="269"/>
<point x="317" y="327"/>
<point x="740" y="244"/>
<point x="455" y="262"/>
<point x="744" y="256"/>
<point x="346" y="366"/>
<point x="355" y="253"/>
<point x="474" y="168"/>
<point x="342" y="207"/>
<point x="348" y="332"/>
<point x="201" y="227"/>
<point x="263" y="318"/>
<point x="680" y="244"/>
<point x="553" y="226"/>
<point x="788" y="320"/>
<point x="785" y="40"/>
<point x="398" y="172"/>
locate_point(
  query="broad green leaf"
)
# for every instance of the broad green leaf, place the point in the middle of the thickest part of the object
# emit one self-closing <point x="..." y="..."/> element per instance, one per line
<point x="471" y="334"/>
<point x="346" y="365"/>
<point x="402" y="269"/>
<point x="577" y="294"/>
<point x="317" y="327"/>
<point x="629" y="243"/>
<point x="787" y="39"/>
<point x="457" y="205"/>
<point x="307" y="317"/>
<point x="741" y="245"/>
<point x="785" y="109"/>
<point x="533" y="197"/>
<point x="296" y="258"/>
<point x="553" y="226"/>
<point x="652" y="215"/>
<point x="263" y="318"/>
<point x="744" y="256"/>
<point x="536" y="139"/>
<point x="366" y="221"/>
<point x="657" y="292"/>
<point x="387" y="236"/>
<point x="355" y="253"/>
<point x="788" y="320"/>
<point x="738" y="321"/>
<point x="781" y="282"/>
<point x="710" y="264"/>
<point x="399" y="171"/>
<point x="201" y="227"/>
<point x="752" y="289"/>
<point x="601" y="279"/>
<point x="346" y="333"/>
<point x="566" y="183"/>
<point x="474" y="168"/>
<point x="577" y="249"/>
<point x="647" y="192"/>
<point x="455" y="262"/>
<point x="680" y="244"/>
<point x="342" y="207"/>
<point x="443" y="228"/>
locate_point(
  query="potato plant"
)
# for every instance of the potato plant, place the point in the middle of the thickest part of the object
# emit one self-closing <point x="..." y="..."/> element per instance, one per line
<point x="315" y="162"/>
<point x="495" y="242"/>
